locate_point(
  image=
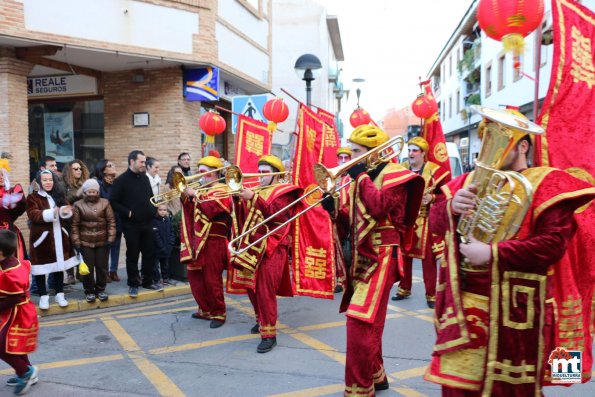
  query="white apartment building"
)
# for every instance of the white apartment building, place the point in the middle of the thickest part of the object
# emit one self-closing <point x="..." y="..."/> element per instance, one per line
<point x="304" y="27"/>
<point x="474" y="69"/>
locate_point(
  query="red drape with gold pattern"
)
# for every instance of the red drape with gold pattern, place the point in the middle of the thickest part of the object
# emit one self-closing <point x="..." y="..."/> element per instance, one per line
<point x="568" y="115"/>
<point x="330" y="142"/>
<point x="253" y="141"/>
<point x="313" y="251"/>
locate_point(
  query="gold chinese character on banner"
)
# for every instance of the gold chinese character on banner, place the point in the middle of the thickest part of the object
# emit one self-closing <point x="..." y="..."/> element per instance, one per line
<point x="311" y="138"/>
<point x="582" y="58"/>
<point x="315" y="263"/>
<point x="254" y="143"/>
<point x="330" y="140"/>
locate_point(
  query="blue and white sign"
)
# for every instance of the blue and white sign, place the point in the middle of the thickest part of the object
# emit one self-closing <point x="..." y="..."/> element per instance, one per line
<point x="248" y="105"/>
<point x="201" y="84"/>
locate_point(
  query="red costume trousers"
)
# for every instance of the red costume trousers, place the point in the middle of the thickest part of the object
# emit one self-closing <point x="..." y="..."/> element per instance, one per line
<point x="364" y="366"/>
<point x="18" y="362"/>
<point x="430" y="274"/>
<point x="264" y="298"/>
<point x="207" y="283"/>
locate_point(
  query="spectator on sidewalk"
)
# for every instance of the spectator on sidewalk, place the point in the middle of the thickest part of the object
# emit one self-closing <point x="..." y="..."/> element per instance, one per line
<point x="184" y="163"/>
<point x="130" y="198"/>
<point x="93" y="232"/>
<point x="105" y="173"/>
<point x="164" y="243"/>
<point x="153" y="174"/>
<point x="74" y="173"/>
<point x="50" y="248"/>
<point x="174" y="206"/>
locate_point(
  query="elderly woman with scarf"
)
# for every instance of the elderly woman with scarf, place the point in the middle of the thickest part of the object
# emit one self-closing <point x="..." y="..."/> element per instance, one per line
<point x="50" y="248"/>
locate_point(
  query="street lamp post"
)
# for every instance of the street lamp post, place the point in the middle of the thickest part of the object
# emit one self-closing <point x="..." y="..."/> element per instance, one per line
<point x="308" y="67"/>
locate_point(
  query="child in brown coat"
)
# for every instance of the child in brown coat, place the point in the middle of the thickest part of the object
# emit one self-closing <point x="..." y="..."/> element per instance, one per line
<point x="93" y="232"/>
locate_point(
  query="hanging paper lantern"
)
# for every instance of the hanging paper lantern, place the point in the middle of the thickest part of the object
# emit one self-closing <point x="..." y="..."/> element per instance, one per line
<point x="510" y="21"/>
<point x="359" y="117"/>
<point x="212" y="124"/>
<point x="275" y="111"/>
<point x="425" y="105"/>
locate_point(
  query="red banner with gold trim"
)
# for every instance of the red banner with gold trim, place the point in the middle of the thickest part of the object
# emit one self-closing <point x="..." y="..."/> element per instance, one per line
<point x="568" y="116"/>
<point x="330" y="142"/>
<point x="435" y="136"/>
<point x="313" y="251"/>
<point x="253" y="141"/>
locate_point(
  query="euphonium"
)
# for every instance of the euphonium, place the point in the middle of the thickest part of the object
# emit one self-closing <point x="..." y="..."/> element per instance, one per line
<point x="504" y="197"/>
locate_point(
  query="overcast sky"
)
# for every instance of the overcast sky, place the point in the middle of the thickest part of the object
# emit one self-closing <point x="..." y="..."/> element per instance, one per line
<point x="390" y="43"/>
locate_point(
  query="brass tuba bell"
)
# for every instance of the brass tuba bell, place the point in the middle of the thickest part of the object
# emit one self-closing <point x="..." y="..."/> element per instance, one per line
<point x="504" y="196"/>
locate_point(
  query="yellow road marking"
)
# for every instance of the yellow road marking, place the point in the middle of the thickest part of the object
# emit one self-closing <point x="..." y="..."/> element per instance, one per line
<point x="121" y="335"/>
<point x="409" y="373"/>
<point x="322" y="347"/>
<point x="313" y="392"/>
<point x="411" y="313"/>
<point x="316" y="327"/>
<point x="156" y="312"/>
<point x="71" y="363"/>
<point x="164" y="385"/>
<point x="200" y="345"/>
<point x="407" y="392"/>
<point x="65" y="322"/>
<point x="88" y="317"/>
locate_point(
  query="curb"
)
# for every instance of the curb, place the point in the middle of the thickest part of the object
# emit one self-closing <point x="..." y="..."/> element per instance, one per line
<point x="75" y="306"/>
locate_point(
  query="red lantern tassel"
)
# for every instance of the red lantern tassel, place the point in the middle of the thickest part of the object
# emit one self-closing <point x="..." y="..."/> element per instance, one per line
<point x="272" y="126"/>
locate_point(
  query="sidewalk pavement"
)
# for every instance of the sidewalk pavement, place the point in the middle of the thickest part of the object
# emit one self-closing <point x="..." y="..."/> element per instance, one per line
<point x="116" y="290"/>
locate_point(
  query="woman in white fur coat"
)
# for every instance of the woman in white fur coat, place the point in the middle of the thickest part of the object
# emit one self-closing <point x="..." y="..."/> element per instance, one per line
<point x="50" y="248"/>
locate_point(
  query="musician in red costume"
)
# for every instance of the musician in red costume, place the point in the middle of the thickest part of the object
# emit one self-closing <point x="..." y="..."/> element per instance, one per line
<point x="382" y="208"/>
<point x="204" y="231"/>
<point x="12" y="204"/>
<point x="421" y="247"/>
<point x="494" y="309"/>
<point x="271" y="275"/>
<point x="18" y="318"/>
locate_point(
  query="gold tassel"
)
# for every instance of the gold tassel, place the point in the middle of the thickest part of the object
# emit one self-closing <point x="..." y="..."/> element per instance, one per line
<point x="272" y="126"/>
<point x="514" y="42"/>
<point x="210" y="139"/>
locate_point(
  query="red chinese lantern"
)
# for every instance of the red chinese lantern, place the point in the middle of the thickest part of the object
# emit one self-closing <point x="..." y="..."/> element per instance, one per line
<point x="425" y="105"/>
<point x="275" y="111"/>
<point x="359" y="117"/>
<point x="510" y="21"/>
<point x="212" y="124"/>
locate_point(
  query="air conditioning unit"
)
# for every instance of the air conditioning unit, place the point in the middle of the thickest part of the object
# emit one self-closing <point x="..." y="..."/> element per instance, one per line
<point x="464" y="142"/>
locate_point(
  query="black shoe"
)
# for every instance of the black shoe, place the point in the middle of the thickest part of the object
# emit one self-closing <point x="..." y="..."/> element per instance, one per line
<point x="399" y="297"/>
<point x="338" y="289"/>
<point x="216" y="323"/>
<point x="102" y="296"/>
<point x="90" y="298"/>
<point x="155" y="286"/>
<point x="133" y="292"/>
<point x="431" y="304"/>
<point x="381" y="386"/>
<point x="255" y="329"/>
<point x="266" y="345"/>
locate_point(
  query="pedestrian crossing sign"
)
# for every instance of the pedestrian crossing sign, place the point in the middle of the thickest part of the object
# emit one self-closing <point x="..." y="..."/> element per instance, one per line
<point x="248" y="105"/>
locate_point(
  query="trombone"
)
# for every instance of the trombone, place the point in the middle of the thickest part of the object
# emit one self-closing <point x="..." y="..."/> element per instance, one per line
<point x="327" y="183"/>
<point x="180" y="182"/>
<point x="234" y="179"/>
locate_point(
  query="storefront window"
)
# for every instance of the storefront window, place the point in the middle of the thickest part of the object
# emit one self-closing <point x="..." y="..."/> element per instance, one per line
<point x="66" y="130"/>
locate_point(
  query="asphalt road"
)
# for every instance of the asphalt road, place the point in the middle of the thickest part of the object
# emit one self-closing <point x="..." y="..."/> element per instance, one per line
<point x="157" y="349"/>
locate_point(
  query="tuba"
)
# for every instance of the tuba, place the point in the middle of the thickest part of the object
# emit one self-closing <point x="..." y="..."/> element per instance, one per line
<point x="504" y="197"/>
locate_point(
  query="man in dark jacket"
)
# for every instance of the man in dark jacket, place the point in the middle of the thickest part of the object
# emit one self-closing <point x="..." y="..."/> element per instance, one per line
<point x="130" y="196"/>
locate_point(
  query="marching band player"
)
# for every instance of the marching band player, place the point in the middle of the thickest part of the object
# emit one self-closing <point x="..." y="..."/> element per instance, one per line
<point x="383" y="205"/>
<point x="421" y="247"/>
<point x="204" y="231"/>
<point x="494" y="310"/>
<point x="272" y="273"/>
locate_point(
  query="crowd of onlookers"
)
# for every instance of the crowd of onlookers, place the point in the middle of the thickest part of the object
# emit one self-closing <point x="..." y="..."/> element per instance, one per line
<point x="77" y="216"/>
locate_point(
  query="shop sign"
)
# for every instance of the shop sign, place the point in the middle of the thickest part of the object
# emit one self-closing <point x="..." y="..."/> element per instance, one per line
<point x="61" y="86"/>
